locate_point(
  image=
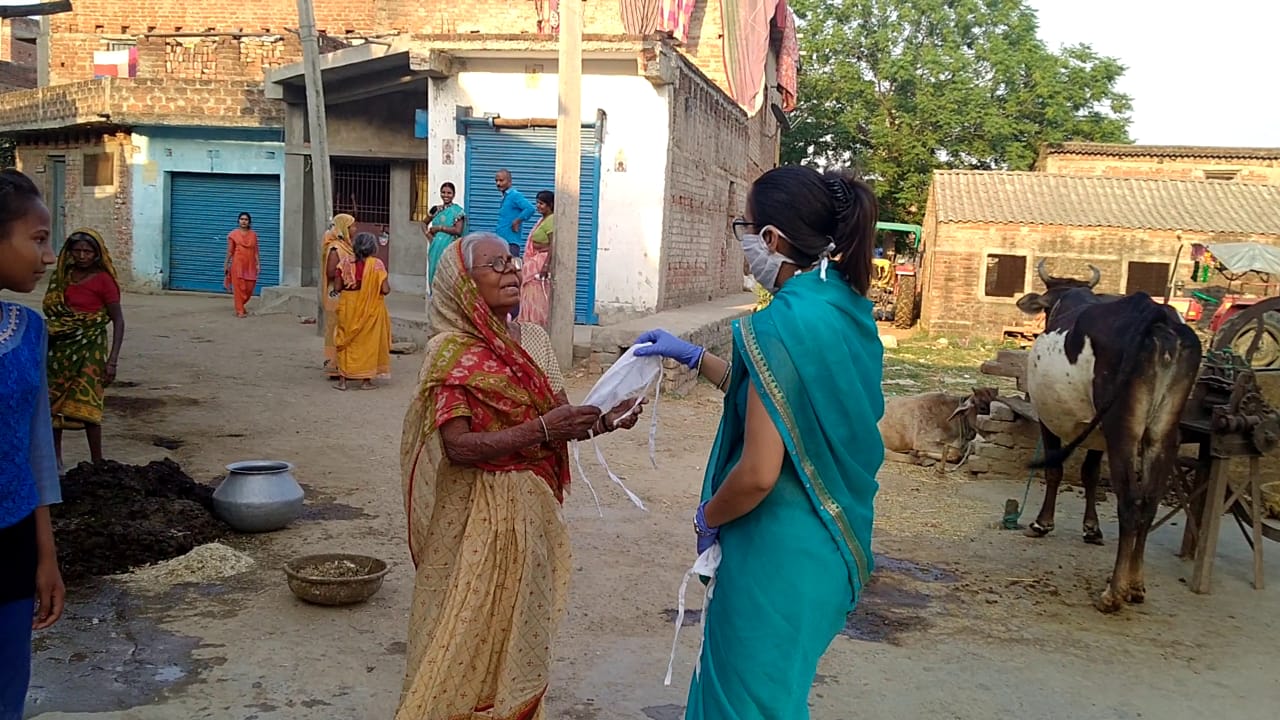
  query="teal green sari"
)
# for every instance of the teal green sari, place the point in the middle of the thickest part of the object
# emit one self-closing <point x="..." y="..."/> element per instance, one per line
<point x="442" y="240"/>
<point x="793" y="568"/>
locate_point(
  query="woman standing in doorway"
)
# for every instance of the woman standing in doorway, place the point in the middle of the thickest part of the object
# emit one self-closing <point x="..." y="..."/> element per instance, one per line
<point x="446" y="223"/>
<point x="535" y="283"/>
<point x="82" y="299"/>
<point x="789" y="489"/>
<point x="339" y="257"/>
<point x="242" y="263"/>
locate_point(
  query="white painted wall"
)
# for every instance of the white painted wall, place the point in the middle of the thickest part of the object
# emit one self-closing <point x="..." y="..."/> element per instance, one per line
<point x="633" y="159"/>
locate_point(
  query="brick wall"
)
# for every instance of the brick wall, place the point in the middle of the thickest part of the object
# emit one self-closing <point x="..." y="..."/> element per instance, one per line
<point x="600" y="18"/>
<point x="715" y="153"/>
<point x="17" y="43"/>
<point x="215" y="58"/>
<point x="957" y="260"/>
<point x="1250" y="170"/>
<point x="94" y="23"/>
<point x="106" y="208"/>
<point x="230" y="103"/>
<point x="16" y="77"/>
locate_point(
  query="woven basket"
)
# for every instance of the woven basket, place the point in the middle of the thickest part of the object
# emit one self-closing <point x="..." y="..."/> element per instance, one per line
<point x="315" y="588"/>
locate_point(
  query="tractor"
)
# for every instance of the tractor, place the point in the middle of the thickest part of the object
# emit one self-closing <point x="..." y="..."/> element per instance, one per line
<point x="894" y="286"/>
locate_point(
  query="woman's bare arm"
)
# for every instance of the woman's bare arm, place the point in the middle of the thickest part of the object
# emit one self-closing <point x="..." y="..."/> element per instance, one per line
<point x="714" y="370"/>
<point x="753" y="478"/>
<point x="464" y="447"/>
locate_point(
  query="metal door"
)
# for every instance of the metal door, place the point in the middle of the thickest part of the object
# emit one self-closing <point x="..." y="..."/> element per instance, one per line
<point x="58" y="199"/>
<point x="203" y="208"/>
<point x="530" y="155"/>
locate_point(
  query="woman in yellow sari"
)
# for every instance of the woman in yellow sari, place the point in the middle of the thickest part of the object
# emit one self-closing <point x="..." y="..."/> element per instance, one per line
<point x="485" y="462"/>
<point x="339" y="257"/>
<point x="82" y="299"/>
<point x="362" y="336"/>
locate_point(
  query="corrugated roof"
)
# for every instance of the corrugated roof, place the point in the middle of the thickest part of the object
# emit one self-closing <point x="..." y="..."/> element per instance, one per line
<point x="1036" y="198"/>
<point x="1190" y="151"/>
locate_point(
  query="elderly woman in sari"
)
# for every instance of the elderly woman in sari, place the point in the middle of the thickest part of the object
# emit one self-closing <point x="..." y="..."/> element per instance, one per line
<point x="789" y="489"/>
<point x="485" y="460"/>
<point x="339" y="271"/>
<point x="83" y="297"/>
<point x="363" y="333"/>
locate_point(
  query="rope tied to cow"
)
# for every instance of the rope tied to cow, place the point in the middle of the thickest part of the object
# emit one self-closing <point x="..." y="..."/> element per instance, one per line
<point x="1012" y="510"/>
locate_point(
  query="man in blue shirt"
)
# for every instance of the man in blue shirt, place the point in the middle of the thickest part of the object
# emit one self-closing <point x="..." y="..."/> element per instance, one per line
<point x="513" y="211"/>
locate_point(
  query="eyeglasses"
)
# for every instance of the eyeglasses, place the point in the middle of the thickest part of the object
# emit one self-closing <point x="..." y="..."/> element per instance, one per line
<point x="503" y="264"/>
<point x="740" y="226"/>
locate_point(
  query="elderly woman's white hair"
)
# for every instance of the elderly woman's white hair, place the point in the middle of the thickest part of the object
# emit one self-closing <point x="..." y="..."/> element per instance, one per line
<point x="471" y="242"/>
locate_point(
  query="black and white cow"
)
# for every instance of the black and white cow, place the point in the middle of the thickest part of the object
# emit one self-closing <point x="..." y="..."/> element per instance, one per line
<point x="1110" y="373"/>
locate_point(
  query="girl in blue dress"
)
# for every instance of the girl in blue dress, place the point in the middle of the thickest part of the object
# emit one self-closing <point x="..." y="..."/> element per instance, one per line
<point x="31" y="590"/>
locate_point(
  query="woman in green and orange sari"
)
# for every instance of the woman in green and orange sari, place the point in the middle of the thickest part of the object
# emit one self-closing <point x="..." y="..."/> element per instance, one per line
<point x="82" y="299"/>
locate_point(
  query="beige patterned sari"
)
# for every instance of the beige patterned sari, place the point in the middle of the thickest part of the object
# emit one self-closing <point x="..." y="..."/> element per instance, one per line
<point x="489" y="544"/>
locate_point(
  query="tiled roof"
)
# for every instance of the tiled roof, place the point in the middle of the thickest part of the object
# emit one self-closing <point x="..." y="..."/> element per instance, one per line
<point x="1036" y="198"/>
<point x="1188" y="151"/>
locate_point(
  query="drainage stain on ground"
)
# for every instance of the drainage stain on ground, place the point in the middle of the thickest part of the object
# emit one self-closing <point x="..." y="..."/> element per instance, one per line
<point x="888" y="608"/>
<point x="663" y="712"/>
<point x="123" y="658"/>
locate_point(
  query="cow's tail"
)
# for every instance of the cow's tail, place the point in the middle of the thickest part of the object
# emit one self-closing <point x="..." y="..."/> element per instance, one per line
<point x="1150" y="316"/>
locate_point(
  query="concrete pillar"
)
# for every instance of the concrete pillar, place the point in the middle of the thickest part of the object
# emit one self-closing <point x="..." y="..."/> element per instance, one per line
<point x="297" y="270"/>
<point x="408" y="245"/>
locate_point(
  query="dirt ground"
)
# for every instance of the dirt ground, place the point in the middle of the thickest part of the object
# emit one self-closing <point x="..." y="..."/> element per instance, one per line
<point x="962" y="621"/>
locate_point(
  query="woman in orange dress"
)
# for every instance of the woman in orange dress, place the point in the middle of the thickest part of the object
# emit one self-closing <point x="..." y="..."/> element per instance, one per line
<point x="242" y="263"/>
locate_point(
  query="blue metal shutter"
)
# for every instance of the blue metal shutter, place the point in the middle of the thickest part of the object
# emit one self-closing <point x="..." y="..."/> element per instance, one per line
<point x="530" y="155"/>
<point x="203" y="208"/>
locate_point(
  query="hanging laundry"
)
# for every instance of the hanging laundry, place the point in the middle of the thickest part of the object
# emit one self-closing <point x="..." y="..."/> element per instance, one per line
<point x="746" y="49"/>
<point x="788" y="56"/>
<point x="676" y="17"/>
<point x="641" y="17"/>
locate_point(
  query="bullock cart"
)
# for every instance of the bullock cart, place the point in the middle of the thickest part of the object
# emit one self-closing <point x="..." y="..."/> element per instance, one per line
<point x="1231" y="415"/>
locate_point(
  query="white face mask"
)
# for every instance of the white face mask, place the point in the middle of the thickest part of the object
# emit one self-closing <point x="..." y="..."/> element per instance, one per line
<point x="763" y="262"/>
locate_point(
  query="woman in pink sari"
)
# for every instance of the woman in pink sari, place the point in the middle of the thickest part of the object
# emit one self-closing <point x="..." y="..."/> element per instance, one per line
<point x="535" y="287"/>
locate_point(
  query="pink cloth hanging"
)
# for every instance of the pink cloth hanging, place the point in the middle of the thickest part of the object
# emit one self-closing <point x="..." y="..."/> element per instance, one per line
<point x="676" y="16"/>
<point x="746" y="49"/>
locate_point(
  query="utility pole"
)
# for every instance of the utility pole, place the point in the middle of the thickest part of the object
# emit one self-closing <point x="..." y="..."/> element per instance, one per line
<point x="321" y="178"/>
<point x="564" y="250"/>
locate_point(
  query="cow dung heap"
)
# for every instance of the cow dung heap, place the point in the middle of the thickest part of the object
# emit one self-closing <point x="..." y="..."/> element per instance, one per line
<point x="115" y="517"/>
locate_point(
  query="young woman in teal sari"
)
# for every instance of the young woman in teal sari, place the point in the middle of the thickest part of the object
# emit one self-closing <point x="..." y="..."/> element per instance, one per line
<point x="790" y="487"/>
<point x="446" y="223"/>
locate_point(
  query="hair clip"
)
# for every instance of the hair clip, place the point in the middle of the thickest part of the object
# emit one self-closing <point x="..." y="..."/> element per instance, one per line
<point x="839" y="194"/>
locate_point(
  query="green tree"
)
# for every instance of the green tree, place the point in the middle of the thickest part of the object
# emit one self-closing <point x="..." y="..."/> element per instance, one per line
<point x="898" y="88"/>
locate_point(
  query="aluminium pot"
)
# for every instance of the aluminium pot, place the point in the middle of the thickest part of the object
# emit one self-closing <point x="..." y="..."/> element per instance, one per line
<point x="258" y="496"/>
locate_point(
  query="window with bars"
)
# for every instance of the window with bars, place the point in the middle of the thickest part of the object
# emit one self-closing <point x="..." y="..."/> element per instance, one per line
<point x="1006" y="275"/>
<point x="421" y="200"/>
<point x="363" y="190"/>
<point x="1149" y="277"/>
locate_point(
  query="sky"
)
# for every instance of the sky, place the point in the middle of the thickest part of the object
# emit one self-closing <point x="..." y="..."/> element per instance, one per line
<point x="1202" y="74"/>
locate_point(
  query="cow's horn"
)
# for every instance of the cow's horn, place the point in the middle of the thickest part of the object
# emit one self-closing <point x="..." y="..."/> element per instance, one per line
<point x="1097" y="275"/>
<point x="1044" y="276"/>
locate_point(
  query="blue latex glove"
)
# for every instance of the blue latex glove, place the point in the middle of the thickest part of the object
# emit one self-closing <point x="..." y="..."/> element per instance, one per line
<point x="707" y="536"/>
<point x="669" y="346"/>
